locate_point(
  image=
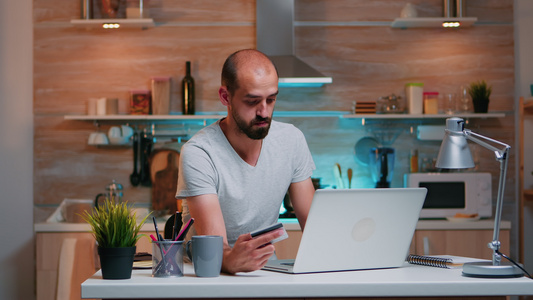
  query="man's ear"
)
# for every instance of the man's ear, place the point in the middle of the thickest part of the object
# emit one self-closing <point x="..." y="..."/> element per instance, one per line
<point x="224" y="96"/>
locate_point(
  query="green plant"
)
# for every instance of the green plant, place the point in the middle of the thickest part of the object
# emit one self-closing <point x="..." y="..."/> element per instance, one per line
<point x="479" y="90"/>
<point x="113" y="225"/>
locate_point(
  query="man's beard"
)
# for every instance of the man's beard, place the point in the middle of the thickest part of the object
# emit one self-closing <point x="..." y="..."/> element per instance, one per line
<point x="248" y="129"/>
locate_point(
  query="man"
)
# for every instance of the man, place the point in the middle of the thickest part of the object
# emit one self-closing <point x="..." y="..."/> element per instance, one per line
<point x="235" y="173"/>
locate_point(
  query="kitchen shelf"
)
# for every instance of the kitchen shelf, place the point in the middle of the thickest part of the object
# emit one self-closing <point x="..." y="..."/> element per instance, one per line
<point x="200" y="116"/>
<point x="431" y="22"/>
<point x="141" y="117"/>
<point x="424" y="116"/>
<point x="279" y="114"/>
<point x="142" y="23"/>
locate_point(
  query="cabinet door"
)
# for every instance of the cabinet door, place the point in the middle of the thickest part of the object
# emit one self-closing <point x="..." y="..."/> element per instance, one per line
<point x="470" y="243"/>
<point x="86" y="261"/>
<point x="288" y="248"/>
<point x="48" y="254"/>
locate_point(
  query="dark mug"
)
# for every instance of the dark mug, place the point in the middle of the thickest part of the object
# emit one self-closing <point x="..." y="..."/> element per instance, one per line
<point x="205" y="252"/>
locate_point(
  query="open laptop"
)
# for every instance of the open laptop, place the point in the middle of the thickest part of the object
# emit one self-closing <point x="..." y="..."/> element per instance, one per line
<point x="356" y="229"/>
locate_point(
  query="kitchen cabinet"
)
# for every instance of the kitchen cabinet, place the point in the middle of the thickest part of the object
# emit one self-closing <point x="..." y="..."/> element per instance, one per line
<point x="69" y="266"/>
<point x="443" y="237"/>
<point x="432" y="237"/>
<point x="525" y="194"/>
<point x="470" y="243"/>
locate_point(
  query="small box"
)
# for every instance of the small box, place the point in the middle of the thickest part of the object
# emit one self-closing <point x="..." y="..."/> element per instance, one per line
<point x="431" y="103"/>
<point x="140" y="103"/>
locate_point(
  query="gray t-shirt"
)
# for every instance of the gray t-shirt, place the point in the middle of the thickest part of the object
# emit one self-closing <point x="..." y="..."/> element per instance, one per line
<point x="250" y="197"/>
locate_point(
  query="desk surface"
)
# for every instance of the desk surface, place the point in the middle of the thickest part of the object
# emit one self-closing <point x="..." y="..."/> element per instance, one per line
<point x="289" y="224"/>
<point x="409" y="280"/>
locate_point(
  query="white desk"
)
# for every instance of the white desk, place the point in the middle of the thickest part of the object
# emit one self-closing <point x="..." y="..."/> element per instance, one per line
<point x="408" y="281"/>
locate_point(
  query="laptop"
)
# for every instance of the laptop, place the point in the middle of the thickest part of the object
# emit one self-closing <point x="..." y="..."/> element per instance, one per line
<point x="356" y="229"/>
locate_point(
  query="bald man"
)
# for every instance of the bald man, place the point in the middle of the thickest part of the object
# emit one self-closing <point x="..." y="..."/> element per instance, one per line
<point x="234" y="174"/>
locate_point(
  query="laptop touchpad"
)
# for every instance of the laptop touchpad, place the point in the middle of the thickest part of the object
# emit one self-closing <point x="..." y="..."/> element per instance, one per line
<point x="363" y="229"/>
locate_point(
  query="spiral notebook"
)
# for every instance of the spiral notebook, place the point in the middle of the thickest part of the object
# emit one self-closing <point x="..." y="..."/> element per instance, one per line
<point x="441" y="261"/>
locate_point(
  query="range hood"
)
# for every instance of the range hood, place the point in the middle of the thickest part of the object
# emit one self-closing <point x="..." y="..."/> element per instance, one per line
<point x="275" y="38"/>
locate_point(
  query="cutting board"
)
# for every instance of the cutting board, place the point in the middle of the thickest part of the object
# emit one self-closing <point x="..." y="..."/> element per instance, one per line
<point x="164" y="176"/>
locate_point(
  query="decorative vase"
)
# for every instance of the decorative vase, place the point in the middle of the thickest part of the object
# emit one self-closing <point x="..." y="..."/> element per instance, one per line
<point x="116" y="263"/>
<point x="480" y="105"/>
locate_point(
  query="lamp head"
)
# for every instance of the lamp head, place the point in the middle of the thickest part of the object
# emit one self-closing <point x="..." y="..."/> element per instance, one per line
<point x="454" y="152"/>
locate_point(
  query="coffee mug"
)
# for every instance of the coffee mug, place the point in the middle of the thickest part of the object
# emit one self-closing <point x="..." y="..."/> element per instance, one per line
<point x="115" y="132"/>
<point x="205" y="252"/>
<point x="98" y="138"/>
<point x="127" y="131"/>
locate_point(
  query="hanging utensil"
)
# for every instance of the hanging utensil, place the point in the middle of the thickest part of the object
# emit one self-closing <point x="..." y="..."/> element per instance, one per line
<point x="338" y="176"/>
<point x="145" y="151"/>
<point x="135" y="177"/>
<point x="350" y="174"/>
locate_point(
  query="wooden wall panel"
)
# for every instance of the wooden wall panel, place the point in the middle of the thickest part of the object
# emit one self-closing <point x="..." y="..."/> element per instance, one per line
<point x="97" y="63"/>
<point x="72" y="65"/>
<point x="365" y="68"/>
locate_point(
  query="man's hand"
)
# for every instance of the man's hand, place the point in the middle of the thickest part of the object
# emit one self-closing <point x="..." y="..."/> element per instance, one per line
<point x="249" y="254"/>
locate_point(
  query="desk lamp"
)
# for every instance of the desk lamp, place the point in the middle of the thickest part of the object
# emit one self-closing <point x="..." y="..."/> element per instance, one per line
<point x="454" y="153"/>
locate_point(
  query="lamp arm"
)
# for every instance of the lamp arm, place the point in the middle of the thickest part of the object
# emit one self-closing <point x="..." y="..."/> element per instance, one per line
<point x="501" y="156"/>
<point x="479" y="139"/>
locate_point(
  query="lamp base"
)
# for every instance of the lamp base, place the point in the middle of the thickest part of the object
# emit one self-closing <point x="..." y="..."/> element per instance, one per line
<point x="488" y="270"/>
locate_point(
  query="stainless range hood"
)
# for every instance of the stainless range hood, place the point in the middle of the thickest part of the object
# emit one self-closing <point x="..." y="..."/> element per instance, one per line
<point x="275" y="38"/>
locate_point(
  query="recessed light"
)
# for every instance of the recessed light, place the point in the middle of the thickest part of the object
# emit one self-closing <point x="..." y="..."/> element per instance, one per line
<point x="451" y="24"/>
<point x="111" y="25"/>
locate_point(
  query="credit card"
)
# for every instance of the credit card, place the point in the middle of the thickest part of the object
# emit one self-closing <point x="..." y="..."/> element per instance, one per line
<point x="270" y="228"/>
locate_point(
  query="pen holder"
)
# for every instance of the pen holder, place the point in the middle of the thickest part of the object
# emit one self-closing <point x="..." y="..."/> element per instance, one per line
<point x="167" y="258"/>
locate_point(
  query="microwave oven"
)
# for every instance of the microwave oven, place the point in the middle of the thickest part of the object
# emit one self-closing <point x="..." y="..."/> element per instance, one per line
<point x="451" y="193"/>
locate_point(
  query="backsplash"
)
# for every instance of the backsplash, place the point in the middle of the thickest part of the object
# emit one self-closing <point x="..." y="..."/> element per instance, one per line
<point x="72" y="65"/>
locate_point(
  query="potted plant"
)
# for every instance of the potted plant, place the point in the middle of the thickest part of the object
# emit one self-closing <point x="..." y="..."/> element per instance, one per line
<point x="116" y="232"/>
<point x="480" y="93"/>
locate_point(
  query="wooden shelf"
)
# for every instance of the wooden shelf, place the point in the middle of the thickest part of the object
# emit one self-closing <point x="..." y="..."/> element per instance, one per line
<point x="424" y="116"/>
<point x="141" y="117"/>
<point x="201" y="116"/>
<point x="279" y="114"/>
<point x="141" y="23"/>
<point x="431" y="22"/>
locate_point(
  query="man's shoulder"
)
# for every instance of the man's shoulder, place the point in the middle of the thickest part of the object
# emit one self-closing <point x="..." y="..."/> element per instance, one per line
<point x="204" y="137"/>
<point x="284" y="128"/>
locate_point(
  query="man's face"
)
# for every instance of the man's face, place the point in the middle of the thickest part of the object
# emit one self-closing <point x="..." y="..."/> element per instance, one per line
<point x="253" y="102"/>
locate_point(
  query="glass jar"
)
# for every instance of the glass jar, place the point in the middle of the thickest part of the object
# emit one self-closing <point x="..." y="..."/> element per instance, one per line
<point x="431" y="103"/>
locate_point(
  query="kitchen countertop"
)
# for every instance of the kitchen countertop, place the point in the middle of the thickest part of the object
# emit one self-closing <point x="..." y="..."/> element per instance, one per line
<point x="406" y="281"/>
<point x="289" y="224"/>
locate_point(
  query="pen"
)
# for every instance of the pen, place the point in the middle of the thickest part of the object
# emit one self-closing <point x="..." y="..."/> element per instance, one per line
<point x="184" y="231"/>
<point x="159" y="238"/>
<point x="160" y="248"/>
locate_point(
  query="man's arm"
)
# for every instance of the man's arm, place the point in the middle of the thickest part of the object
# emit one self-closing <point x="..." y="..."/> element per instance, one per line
<point x="247" y="254"/>
<point x="301" y="194"/>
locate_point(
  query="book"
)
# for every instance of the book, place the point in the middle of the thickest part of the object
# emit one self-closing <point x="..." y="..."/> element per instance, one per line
<point x="441" y="261"/>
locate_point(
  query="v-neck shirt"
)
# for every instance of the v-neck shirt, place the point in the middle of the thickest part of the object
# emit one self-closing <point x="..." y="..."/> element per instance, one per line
<point x="250" y="197"/>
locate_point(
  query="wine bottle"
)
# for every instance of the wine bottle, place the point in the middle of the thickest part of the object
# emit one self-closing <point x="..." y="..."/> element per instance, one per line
<point x="187" y="91"/>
